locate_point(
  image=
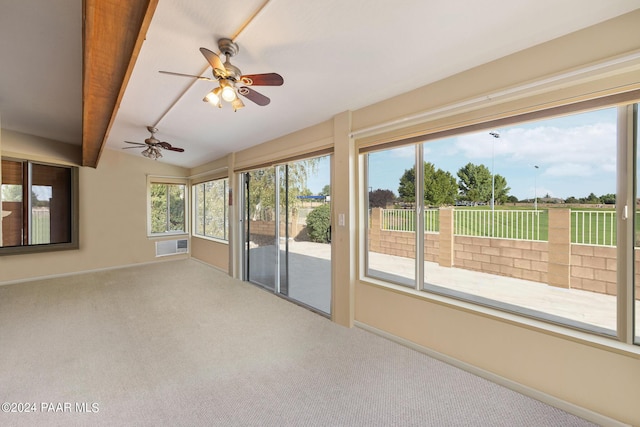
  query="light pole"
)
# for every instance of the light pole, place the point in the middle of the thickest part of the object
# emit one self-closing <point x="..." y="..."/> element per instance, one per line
<point x="535" y="189"/>
<point x="495" y="135"/>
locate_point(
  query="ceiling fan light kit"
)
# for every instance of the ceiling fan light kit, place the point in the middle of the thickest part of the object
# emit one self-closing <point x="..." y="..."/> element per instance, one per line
<point x="213" y="97"/>
<point x="228" y="76"/>
<point x="152" y="153"/>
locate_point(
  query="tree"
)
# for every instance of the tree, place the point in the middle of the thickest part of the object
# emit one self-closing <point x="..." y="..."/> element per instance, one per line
<point x="381" y="198"/>
<point x="591" y="198"/>
<point x="262" y="194"/>
<point x="326" y="191"/>
<point x="407" y="188"/>
<point x="608" y="199"/>
<point x="211" y="208"/>
<point x="501" y="190"/>
<point x="293" y="178"/>
<point x="475" y="184"/>
<point x="11" y="192"/>
<point x="167" y="207"/>
<point x="38" y="203"/>
<point x="440" y="187"/>
<point x="571" y="199"/>
<point x="512" y="199"/>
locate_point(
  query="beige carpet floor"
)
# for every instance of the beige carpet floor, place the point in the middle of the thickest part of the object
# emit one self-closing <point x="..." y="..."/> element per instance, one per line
<point x="182" y="344"/>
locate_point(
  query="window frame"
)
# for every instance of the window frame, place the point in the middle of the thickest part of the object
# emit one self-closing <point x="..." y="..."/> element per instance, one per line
<point x="74" y="210"/>
<point x="151" y="180"/>
<point x="625" y="297"/>
<point x="194" y="201"/>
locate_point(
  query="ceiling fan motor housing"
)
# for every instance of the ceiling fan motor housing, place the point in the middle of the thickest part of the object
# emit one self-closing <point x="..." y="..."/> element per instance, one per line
<point x="152" y="139"/>
<point x="228" y="47"/>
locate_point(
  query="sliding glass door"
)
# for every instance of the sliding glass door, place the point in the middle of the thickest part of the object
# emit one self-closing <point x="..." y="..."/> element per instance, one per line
<point x="261" y="227"/>
<point x="287" y="231"/>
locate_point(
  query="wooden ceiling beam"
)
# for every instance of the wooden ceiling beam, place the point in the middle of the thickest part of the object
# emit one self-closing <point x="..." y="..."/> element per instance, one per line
<point x="113" y="33"/>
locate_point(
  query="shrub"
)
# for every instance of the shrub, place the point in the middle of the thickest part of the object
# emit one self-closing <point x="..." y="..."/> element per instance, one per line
<point x="318" y="222"/>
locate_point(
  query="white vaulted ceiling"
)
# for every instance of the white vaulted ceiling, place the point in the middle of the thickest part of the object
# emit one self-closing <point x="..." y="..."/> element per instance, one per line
<point x="334" y="55"/>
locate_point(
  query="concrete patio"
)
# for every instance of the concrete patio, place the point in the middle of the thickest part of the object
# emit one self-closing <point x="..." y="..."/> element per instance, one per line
<point x="310" y="274"/>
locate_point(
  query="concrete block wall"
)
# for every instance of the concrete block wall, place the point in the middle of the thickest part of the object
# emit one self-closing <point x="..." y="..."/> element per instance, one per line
<point x="594" y="268"/>
<point x="264" y="230"/>
<point x="557" y="262"/>
<point x="521" y="259"/>
<point x="399" y="243"/>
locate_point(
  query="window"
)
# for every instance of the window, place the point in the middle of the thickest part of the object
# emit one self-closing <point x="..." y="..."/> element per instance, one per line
<point x="211" y="209"/>
<point x="167" y="209"/>
<point x="523" y="218"/>
<point x="385" y="169"/>
<point x="39" y="208"/>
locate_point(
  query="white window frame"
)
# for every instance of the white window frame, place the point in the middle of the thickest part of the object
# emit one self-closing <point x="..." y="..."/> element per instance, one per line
<point x="625" y="174"/>
<point x="194" y="210"/>
<point x="170" y="181"/>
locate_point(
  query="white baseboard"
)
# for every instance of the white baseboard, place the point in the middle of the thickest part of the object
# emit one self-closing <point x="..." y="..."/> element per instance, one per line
<point x="517" y="387"/>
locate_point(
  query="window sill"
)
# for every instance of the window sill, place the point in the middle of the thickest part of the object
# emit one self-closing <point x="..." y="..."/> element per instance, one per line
<point x="169" y="234"/>
<point x="35" y="249"/>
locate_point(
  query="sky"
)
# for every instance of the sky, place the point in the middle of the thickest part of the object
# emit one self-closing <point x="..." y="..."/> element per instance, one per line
<point x="575" y="155"/>
<point x="322" y="177"/>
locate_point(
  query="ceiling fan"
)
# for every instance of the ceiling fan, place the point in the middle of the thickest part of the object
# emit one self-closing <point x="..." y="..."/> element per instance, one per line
<point x="153" y="146"/>
<point x="231" y="82"/>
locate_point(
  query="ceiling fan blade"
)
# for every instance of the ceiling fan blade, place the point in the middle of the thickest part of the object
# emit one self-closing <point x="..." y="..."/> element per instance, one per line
<point x="177" y="149"/>
<point x="187" y="75"/>
<point x="267" y="79"/>
<point x="136" y="143"/>
<point x="126" y="148"/>
<point x="254" y="96"/>
<point x="169" y="147"/>
<point x="215" y="62"/>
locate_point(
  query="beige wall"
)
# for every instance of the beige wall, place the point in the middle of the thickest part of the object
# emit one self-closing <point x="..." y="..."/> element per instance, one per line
<point x="113" y="211"/>
<point x="211" y="252"/>
<point x="20" y="145"/>
<point x="313" y="138"/>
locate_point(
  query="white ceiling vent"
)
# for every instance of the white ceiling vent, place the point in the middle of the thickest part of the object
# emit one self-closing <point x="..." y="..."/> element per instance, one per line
<point x="172" y="247"/>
